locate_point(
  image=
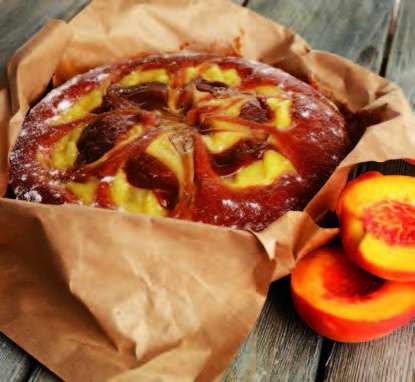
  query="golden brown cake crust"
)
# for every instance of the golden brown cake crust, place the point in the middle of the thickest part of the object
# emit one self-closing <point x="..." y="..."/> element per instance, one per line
<point x="216" y="139"/>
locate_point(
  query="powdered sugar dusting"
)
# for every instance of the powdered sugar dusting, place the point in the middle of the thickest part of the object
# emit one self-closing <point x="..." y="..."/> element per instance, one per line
<point x="107" y="179"/>
<point x="64" y="105"/>
<point x="229" y="203"/>
<point x="102" y="76"/>
<point x="32" y="196"/>
<point x="305" y="113"/>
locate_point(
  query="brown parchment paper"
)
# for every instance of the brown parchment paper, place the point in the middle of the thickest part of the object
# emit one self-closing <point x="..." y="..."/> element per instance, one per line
<point x="100" y="295"/>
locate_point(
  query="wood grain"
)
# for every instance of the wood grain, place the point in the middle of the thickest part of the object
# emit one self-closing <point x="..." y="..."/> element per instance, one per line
<point x="390" y="359"/>
<point x="20" y="19"/>
<point x="354" y="29"/>
<point x="281" y="347"/>
<point x="41" y="374"/>
<point x="15" y="364"/>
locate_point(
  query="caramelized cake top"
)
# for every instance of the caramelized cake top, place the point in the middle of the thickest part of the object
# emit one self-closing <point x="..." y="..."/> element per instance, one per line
<point x="209" y="138"/>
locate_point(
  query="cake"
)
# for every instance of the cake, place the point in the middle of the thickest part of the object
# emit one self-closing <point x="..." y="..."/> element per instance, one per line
<point x="214" y="139"/>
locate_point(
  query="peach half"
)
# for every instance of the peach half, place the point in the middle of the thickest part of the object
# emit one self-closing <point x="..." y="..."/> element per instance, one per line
<point x="377" y="221"/>
<point x="341" y="301"/>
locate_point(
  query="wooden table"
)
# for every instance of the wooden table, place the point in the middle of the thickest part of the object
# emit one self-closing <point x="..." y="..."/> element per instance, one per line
<point x="378" y="34"/>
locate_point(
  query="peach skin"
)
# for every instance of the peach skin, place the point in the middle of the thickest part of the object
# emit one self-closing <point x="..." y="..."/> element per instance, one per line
<point x="343" y="302"/>
<point x="377" y="220"/>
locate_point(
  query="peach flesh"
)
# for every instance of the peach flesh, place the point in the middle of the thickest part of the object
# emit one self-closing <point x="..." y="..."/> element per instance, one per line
<point x="342" y="302"/>
<point x="391" y="221"/>
<point x="349" y="281"/>
<point x="377" y="216"/>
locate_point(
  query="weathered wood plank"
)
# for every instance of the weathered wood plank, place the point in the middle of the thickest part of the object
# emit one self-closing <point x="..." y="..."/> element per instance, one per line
<point x="41" y="374"/>
<point x="390" y="359"/>
<point x="15" y="364"/>
<point x="281" y="347"/>
<point x="401" y="63"/>
<point x="19" y="20"/>
<point x="354" y="29"/>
